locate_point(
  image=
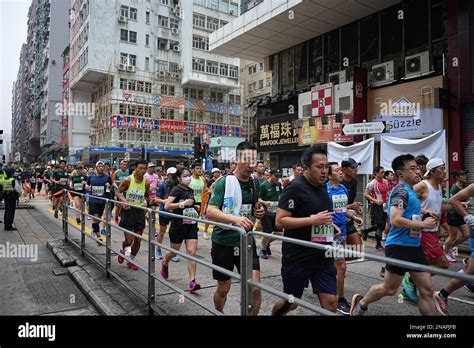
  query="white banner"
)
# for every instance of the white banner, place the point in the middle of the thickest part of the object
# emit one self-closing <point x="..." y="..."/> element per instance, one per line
<point x="431" y="146"/>
<point x="362" y="152"/>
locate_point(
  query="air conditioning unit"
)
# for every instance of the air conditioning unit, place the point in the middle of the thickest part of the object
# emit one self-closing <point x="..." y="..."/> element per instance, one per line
<point x="162" y="73"/>
<point x="382" y="74"/>
<point x="122" y="19"/>
<point x="121" y="67"/>
<point x="337" y="77"/>
<point x="417" y="65"/>
<point x="232" y="12"/>
<point x="131" y="68"/>
<point x="344" y="97"/>
<point x="177" y="8"/>
<point x="180" y="67"/>
<point x="175" y="31"/>
<point x="176" y="76"/>
<point x="178" y="14"/>
<point x="176" y="48"/>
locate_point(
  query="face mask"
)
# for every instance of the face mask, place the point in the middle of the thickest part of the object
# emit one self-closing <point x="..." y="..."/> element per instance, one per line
<point x="186" y="180"/>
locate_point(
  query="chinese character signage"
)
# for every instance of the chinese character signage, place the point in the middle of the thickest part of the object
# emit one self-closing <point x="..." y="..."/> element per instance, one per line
<point x="319" y="133"/>
<point x="277" y="133"/>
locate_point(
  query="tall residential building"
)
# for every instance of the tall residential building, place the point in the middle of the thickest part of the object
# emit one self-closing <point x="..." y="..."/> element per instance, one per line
<point x="145" y="71"/>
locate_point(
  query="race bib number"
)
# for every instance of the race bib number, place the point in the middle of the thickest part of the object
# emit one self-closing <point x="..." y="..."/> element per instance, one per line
<point x="273" y="207"/>
<point x="153" y="188"/>
<point x="415" y="232"/>
<point x="322" y="233"/>
<point x="339" y="203"/>
<point x="246" y="211"/>
<point x="78" y="186"/>
<point x="33" y="180"/>
<point x="190" y="213"/>
<point x="135" y="196"/>
<point x="98" y="191"/>
<point x="63" y="181"/>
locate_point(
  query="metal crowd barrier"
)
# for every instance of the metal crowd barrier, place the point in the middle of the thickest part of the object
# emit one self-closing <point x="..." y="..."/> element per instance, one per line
<point x="246" y="240"/>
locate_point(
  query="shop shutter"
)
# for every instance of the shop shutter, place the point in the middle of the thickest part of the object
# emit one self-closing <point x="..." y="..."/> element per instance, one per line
<point x="468" y="127"/>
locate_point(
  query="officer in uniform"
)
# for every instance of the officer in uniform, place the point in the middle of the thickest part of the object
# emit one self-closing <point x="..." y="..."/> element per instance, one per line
<point x="11" y="192"/>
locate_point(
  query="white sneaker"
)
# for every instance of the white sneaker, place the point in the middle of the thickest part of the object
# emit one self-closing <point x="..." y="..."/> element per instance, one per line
<point x="206" y="235"/>
<point x="450" y="258"/>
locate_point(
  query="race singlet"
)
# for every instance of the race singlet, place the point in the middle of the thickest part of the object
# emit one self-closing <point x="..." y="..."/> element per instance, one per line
<point x="322" y="233"/>
<point x="190" y="213"/>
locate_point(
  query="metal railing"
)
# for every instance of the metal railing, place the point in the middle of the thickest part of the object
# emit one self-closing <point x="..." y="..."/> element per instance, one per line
<point x="246" y="245"/>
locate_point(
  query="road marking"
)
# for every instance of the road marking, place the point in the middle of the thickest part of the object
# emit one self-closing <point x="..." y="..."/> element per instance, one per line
<point x="461" y="300"/>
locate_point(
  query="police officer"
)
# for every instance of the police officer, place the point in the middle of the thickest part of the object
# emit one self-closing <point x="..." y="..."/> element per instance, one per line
<point x="11" y="192"/>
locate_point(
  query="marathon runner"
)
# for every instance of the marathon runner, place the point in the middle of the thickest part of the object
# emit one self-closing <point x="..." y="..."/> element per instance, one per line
<point x="40" y="177"/>
<point x="133" y="219"/>
<point x="98" y="183"/>
<point x="260" y="173"/>
<point x="269" y="194"/>
<point x="305" y="213"/>
<point x="297" y="171"/>
<point x="224" y="208"/>
<point x="153" y="181"/>
<point x="199" y="186"/>
<point x="77" y="183"/>
<point x="455" y="221"/>
<point x="48" y="175"/>
<point x="117" y="179"/>
<point x="339" y="198"/>
<point x="403" y="242"/>
<point x="59" y="180"/>
<point x="181" y="202"/>
<point x="376" y="193"/>
<point x="457" y="202"/>
<point x="421" y="161"/>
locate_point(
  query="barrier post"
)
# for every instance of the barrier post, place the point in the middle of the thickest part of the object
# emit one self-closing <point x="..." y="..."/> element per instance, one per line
<point x="65" y="216"/>
<point x="108" y="240"/>
<point x="151" y="260"/>
<point x="83" y="225"/>
<point x="245" y="272"/>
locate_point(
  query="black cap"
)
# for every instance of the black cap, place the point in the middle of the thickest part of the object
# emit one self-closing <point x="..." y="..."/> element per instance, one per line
<point x="349" y="163"/>
<point x="459" y="172"/>
<point x="275" y="171"/>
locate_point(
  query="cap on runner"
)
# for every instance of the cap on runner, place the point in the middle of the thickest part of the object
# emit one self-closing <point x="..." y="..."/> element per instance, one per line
<point x="171" y="170"/>
<point x="432" y="164"/>
<point x="151" y="164"/>
<point x="99" y="163"/>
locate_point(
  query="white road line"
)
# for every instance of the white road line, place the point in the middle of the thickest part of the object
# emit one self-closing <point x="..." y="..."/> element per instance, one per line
<point x="461" y="300"/>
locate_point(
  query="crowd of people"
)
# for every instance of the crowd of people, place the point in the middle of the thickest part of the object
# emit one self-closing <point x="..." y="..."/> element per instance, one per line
<point x="409" y="213"/>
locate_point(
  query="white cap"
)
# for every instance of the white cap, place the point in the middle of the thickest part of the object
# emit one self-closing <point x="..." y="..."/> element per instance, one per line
<point x="432" y="164"/>
<point x="99" y="163"/>
<point x="171" y="170"/>
<point x="215" y="170"/>
<point x="151" y="164"/>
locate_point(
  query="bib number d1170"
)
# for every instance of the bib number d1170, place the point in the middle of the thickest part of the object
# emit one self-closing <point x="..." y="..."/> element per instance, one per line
<point x="322" y="233"/>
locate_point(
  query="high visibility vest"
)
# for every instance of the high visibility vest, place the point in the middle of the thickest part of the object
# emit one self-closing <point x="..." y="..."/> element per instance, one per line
<point x="8" y="184"/>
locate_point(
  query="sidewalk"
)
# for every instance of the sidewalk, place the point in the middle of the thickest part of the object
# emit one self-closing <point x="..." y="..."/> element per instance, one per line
<point x="29" y="286"/>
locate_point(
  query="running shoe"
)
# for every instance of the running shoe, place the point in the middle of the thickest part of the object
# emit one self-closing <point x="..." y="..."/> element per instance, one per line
<point x="78" y="220"/>
<point x="469" y="287"/>
<point x="465" y="261"/>
<point x="158" y="255"/>
<point x="263" y="255"/>
<point x="450" y="258"/>
<point x="356" y="310"/>
<point x="164" y="270"/>
<point x="193" y="286"/>
<point x="120" y="257"/>
<point x="206" y="235"/>
<point x="441" y="303"/>
<point x="132" y="266"/>
<point x="343" y="307"/>
<point x="409" y="290"/>
<point x="56" y="214"/>
<point x="175" y="259"/>
<point x="103" y="232"/>
<point x="382" y="272"/>
<point x="379" y="247"/>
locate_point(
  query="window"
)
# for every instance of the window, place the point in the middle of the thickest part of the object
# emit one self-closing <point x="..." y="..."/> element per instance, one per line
<point x="369" y="39"/>
<point x="123" y="35"/>
<point x="132" y="85"/>
<point x="133" y="59"/>
<point x="199" y="64"/>
<point x="193" y="94"/>
<point x="147" y="63"/>
<point x="140" y="86"/>
<point x="162" y="44"/>
<point x="164" y="2"/>
<point x="212" y="23"/>
<point x="224" y="6"/>
<point x="252" y="86"/>
<point x="268" y="82"/>
<point x="261" y="66"/>
<point x="147" y="87"/>
<point x="234" y="71"/>
<point x="201" y="43"/>
<point x="174" y="23"/>
<point x="163" y="21"/>
<point x="199" y="20"/>
<point x="391" y="33"/>
<point x="252" y="69"/>
<point x="147" y="17"/>
<point x="123" y="109"/>
<point x="234" y="9"/>
<point x="124" y="11"/>
<point x="133" y="13"/>
<point x="224" y="69"/>
<point x="212" y="67"/>
<point x="133" y="36"/>
<point x="260" y="84"/>
<point x="162" y="65"/>
<point x="168" y="90"/>
<point x="200" y="94"/>
<point x="147" y="40"/>
<point x="123" y="83"/>
<point x="124" y="58"/>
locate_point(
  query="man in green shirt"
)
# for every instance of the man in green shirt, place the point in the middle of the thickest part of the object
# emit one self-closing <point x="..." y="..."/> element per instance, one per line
<point x="455" y="221"/>
<point x="60" y="180"/>
<point x="269" y="194"/>
<point x="225" y="250"/>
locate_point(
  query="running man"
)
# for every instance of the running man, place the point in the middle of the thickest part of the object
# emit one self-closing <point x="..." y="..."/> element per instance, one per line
<point x="181" y="202"/>
<point x="137" y="192"/>
<point x="226" y="243"/>
<point x="305" y="213"/>
<point x="59" y="180"/>
<point x="403" y="242"/>
<point x="98" y="183"/>
<point x="77" y="183"/>
<point x="117" y="178"/>
<point x="269" y="194"/>
<point x="455" y="221"/>
<point x="339" y="198"/>
<point x="260" y="173"/>
<point x="457" y="202"/>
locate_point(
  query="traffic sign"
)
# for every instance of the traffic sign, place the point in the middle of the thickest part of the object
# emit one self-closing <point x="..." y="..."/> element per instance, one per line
<point x="364" y="128"/>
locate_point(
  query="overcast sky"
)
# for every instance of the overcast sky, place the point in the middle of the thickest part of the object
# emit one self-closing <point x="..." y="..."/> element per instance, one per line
<point x="13" y="27"/>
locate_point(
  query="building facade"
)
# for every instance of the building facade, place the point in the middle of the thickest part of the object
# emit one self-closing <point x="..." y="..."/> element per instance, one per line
<point x="145" y="72"/>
